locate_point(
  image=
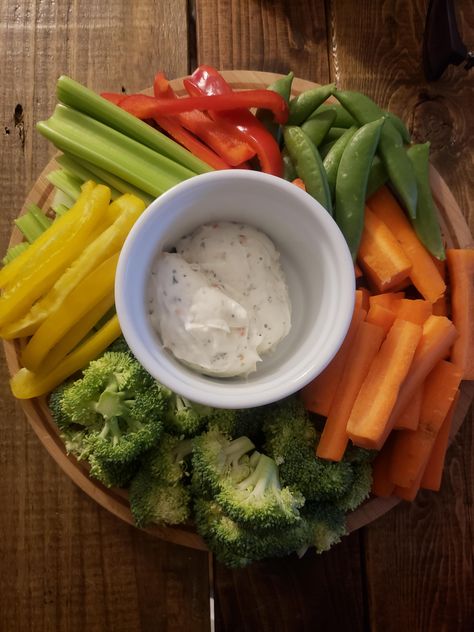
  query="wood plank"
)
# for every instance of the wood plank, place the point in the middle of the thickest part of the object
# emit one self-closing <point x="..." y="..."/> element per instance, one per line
<point x="317" y="592"/>
<point x="67" y="564"/>
<point x="272" y="36"/>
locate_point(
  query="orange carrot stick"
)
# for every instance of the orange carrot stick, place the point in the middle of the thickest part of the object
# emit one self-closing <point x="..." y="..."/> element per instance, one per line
<point x="410" y="417"/>
<point x="386" y="300"/>
<point x="378" y="394"/>
<point x="439" y="334"/>
<point x="381" y="484"/>
<point x="317" y="396"/>
<point x="357" y="271"/>
<point x="380" y="255"/>
<point x="461" y="274"/>
<point x="416" y="311"/>
<point x="408" y="493"/>
<point x="365" y="298"/>
<point x="424" y="273"/>
<point x="433" y="473"/>
<point x="413" y="447"/>
<point x="380" y="316"/>
<point x="334" y="439"/>
<point x="298" y="182"/>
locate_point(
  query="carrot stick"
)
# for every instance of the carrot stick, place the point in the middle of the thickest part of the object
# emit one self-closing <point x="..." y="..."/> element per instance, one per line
<point x="357" y="271"/>
<point x="381" y="484"/>
<point x="298" y="182"/>
<point x="413" y="447"/>
<point x="441" y="307"/>
<point x="365" y="298"/>
<point x="386" y="300"/>
<point x="317" y="396"/>
<point x="424" y="273"/>
<point x="461" y="274"/>
<point x="433" y="473"/>
<point x="334" y="439"/>
<point x="439" y="334"/>
<point x="408" y="493"/>
<point x="378" y="394"/>
<point x="416" y="311"/>
<point x="380" y="255"/>
<point x="381" y="316"/>
<point x="410" y="417"/>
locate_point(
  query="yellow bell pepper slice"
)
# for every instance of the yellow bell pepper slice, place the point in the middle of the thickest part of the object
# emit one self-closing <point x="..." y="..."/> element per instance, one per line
<point x="90" y="291"/>
<point x="35" y="251"/>
<point x="25" y="384"/>
<point x="39" y="274"/>
<point x="123" y="213"/>
<point x="77" y="333"/>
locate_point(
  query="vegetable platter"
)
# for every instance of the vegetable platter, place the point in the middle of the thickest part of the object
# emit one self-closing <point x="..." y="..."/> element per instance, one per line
<point x="455" y="233"/>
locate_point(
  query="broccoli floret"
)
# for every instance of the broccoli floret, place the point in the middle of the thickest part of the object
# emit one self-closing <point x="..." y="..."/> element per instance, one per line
<point x="354" y="454"/>
<point x="117" y="395"/>
<point x="246" y="422"/>
<point x="185" y="418"/>
<point x="360" y="488"/>
<point x="154" y="501"/>
<point x="327" y="524"/>
<point x="290" y="439"/>
<point x="62" y="420"/>
<point x="259" y="501"/>
<point x="111" y="473"/>
<point x="217" y="458"/>
<point x="158" y="493"/>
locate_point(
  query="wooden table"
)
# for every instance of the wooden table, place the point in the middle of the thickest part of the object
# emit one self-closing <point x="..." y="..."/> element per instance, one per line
<point x="65" y="563"/>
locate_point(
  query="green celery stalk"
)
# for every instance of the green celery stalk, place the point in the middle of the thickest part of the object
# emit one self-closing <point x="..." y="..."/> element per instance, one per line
<point x="87" y="101"/>
<point x="60" y="209"/>
<point x="44" y="221"/>
<point x="88" y="139"/>
<point x="78" y="166"/>
<point x="14" y="251"/>
<point x="67" y="183"/>
<point x="29" y="226"/>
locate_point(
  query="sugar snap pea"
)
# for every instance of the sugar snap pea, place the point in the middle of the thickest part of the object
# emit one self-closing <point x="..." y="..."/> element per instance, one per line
<point x="308" y="164"/>
<point x="343" y="118"/>
<point x="325" y="148"/>
<point x="333" y="158"/>
<point x="391" y="149"/>
<point x="378" y="176"/>
<point x="351" y="182"/>
<point x="426" y="223"/>
<point x="318" y="126"/>
<point x="399" y="126"/>
<point x="283" y="87"/>
<point x="289" y="171"/>
<point x="335" y="133"/>
<point x="305" y="103"/>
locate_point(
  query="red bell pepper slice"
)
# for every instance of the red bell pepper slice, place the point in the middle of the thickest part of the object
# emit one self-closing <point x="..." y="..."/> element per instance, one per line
<point x="206" y="80"/>
<point x="220" y="136"/>
<point x="145" y="107"/>
<point x="113" y="97"/>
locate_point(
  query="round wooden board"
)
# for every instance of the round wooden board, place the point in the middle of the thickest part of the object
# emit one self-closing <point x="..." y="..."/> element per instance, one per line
<point x="456" y="233"/>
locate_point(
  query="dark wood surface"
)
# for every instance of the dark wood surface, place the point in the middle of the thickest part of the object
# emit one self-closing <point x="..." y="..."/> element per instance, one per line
<point x="65" y="563"/>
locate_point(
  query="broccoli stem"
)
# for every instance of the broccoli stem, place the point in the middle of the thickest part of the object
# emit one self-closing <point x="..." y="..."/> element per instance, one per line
<point x="263" y="477"/>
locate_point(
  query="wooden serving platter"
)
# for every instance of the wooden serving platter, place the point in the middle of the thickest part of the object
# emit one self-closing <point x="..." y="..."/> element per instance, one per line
<point x="456" y="233"/>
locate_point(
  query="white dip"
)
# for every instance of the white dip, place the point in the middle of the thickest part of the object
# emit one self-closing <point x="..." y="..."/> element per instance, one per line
<point x="221" y="301"/>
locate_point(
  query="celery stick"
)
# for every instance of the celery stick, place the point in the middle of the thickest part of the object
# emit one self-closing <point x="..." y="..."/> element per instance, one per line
<point x="87" y="101"/>
<point x="61" y="199"/>
<point x="14" y="251"/>
<point x="70" y="185"/>
<point x="85" y="138"/>
<point x="29" y="226"/>
<point x="60" y="209"/>
<point x="44" y="221"/>
<point x="79" y="166"/>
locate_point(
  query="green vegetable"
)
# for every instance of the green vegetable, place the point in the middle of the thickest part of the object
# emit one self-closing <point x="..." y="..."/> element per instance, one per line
<point x="391" y="148"/>
<point x="378" y="176"/>
<point x="334" y="133"/>
<point x="289" y="171"/>
<point x="333" y="158"/>
<point x="88" y="139"/>
<point x="343" y="118"/>
<point x="33" y="223"/>
<point x="308" y="164"/>
<point x="290" y="441"/>
<point x="158" y="493"/>
<point x="302" y="106"/>
<point x="399" y="125"/>
<point x="14" y="251"/>
<point x="426" y="222"/>
<point x="259" y="500"/>
<point x="118" y="402"/>
<point x="66" y="182"/>
<point x="281" y="86"/>
<point x="184" y="417"/>
<point x="318" y="126"/>
<point x="351" y="182"/>
<point x="88" y="102"/>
